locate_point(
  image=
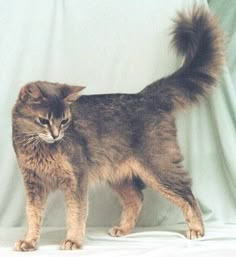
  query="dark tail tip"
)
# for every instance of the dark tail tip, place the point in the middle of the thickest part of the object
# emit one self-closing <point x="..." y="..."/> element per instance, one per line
<point x="197" y="36"/>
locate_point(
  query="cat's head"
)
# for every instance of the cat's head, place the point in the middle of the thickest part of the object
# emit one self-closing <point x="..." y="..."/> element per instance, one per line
<point x="42" y="110"/>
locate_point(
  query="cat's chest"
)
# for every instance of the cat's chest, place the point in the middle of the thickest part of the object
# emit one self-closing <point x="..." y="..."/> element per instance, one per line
<point x="48" y="164"/>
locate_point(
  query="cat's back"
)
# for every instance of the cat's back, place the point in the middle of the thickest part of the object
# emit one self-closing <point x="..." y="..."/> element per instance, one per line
<point x="108" y="110"/>
<point x="127" y="119"/>
<point x="106" y="102"/>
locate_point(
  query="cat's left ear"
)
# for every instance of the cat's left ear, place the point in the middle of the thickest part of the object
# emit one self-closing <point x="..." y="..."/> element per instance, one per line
<point x="72" y="93"/>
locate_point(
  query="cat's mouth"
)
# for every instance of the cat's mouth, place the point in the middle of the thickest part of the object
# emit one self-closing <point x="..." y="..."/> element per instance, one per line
<point x="49" y="139"/>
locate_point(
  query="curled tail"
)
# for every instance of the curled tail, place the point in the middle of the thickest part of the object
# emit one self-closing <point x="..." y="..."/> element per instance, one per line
<point x="198" y="37"/>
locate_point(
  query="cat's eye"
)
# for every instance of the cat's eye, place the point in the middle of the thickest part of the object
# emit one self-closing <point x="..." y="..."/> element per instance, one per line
<point x="64" y="122"/>
<point x="43" y="121"/>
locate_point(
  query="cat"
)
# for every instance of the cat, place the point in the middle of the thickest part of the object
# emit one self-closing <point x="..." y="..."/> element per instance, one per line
<point x="64" y="140"/>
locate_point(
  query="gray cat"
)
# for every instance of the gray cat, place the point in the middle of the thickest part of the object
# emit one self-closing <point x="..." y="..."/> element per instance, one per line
<point x="64" y="141"/>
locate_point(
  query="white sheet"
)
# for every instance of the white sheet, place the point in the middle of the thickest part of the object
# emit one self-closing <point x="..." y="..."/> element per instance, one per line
<point x="113" y="46"/>
<point x="154" y="241"/>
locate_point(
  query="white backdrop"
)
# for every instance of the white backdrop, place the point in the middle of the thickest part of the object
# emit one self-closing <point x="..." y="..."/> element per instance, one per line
<point x="107" y="46"/>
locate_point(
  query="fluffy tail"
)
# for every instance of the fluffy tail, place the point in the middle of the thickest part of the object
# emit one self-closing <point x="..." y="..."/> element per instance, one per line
<point x="198" y="37"/>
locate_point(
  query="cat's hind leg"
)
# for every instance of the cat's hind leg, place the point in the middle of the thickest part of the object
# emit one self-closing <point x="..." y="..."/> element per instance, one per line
<point x="174" y="184"/>
<point x="131" y="198"/>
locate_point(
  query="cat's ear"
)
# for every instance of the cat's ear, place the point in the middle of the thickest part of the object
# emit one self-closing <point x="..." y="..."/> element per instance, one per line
<point x="31" y="93"/>
<point x="72" y="93"/>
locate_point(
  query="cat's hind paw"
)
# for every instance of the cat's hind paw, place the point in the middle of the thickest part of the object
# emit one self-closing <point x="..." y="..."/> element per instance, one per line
<point x="118" y="231"/>
<point x="194" y="234"/>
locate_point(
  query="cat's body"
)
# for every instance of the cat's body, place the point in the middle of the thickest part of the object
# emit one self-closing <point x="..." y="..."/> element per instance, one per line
<point x="126" y="140"/>
<point x="114" y="146"/>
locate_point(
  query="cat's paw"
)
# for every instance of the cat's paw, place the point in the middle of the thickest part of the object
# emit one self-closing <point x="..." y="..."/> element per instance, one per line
<point x="70" y="245"/>
<point x="118" y="231"/>
<point x="194" y="234"/>
<point x="25" y="246"/>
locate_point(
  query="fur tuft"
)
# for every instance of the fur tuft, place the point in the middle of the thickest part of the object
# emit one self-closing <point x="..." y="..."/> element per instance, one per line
<point x="198" y="38"/>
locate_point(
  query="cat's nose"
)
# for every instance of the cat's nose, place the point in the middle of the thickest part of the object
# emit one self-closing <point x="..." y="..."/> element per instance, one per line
<point x="55" y="136"/>
<point x="55" y="132"/>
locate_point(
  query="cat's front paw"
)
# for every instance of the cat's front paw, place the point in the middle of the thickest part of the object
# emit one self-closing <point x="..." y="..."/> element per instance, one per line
<point x="70" y="245"/>
<point x="25" y="246"/>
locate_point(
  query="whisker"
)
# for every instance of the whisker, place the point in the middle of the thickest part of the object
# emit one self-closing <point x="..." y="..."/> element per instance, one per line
<point x="66" y="142"/>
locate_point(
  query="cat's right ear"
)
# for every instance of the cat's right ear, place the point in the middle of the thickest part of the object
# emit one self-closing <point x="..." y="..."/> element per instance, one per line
<point x="31" y="94"/>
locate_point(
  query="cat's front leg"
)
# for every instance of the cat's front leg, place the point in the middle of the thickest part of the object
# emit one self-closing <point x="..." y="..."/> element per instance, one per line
<point x="76" y="212"/>
<point x="35" y="202"/>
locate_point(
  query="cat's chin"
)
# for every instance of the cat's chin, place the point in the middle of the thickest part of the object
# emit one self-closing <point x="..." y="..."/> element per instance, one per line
<point x="50" y="142"/>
